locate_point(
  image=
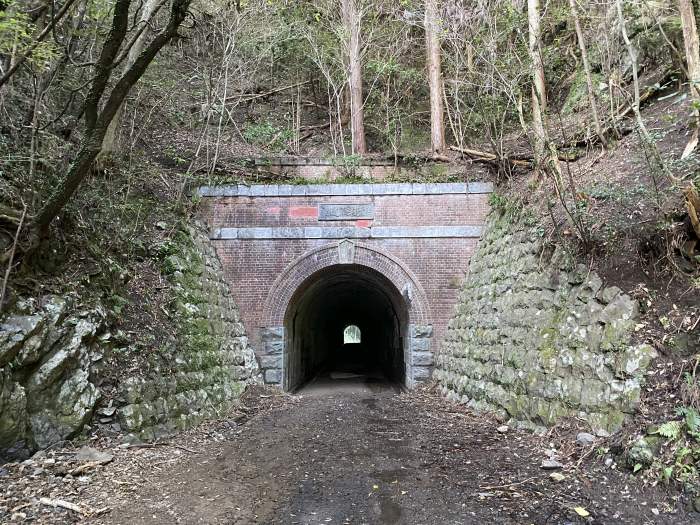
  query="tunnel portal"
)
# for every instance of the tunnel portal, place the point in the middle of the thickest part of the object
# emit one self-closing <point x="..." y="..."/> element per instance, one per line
<point x="322" y="309"/>
<point x="273" y="239"/>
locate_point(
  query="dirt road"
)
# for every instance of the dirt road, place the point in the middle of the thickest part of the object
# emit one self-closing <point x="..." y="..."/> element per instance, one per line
<point x="368" y="454"/>
<point x="351" y="452"/>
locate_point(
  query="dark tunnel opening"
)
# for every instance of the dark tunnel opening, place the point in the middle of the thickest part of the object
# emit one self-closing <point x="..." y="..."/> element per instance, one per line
<point x="321" y="310"/>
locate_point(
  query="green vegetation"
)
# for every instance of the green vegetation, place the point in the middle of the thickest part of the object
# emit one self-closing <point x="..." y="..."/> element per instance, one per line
<point x="678" y="451"/>
<point x="262" y="78"/>
<point x="17" y="36"/>
<point x="514" y="209"/>
<point x="268" y="135"/>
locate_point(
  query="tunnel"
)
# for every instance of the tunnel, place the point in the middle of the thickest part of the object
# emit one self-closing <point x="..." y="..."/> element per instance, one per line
<point x="345" y="322"/>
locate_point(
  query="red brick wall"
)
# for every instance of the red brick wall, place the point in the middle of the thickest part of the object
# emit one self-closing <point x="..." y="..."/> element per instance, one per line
<point x="390" y="210"/>
<point x="438" y="264"/>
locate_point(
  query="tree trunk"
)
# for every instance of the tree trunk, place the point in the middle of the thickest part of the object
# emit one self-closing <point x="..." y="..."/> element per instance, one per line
<point x="432" y="44"/>
<point x="351" y="20"/>
<point x="636" y="105"/>
<point x="692" y="58"/>
<point x="98" y="120"/>
<point x="587" y="71"/>
<point x="539" y="94"/>
<point x="109" y="144"/>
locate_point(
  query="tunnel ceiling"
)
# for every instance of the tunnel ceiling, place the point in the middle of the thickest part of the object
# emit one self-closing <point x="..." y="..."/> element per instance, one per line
<point x="350" y="289"/>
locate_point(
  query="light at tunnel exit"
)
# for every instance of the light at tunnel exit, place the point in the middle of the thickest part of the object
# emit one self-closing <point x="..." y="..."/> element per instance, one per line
<point x="352" y="335"/>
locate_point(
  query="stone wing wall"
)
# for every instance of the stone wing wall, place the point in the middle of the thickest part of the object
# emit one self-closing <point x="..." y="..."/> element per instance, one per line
<point x="55" y="353"/>
<point x="211" y="362"/>
<point x="535" y="338"/>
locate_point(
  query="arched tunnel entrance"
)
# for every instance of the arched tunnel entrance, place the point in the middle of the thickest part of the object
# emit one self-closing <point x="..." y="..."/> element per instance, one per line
<point x="337" y="302"/>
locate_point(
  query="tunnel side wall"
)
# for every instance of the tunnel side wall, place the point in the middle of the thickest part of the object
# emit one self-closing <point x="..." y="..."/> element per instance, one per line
<point x="536" y="338"/>
<point x="301" y="353"/>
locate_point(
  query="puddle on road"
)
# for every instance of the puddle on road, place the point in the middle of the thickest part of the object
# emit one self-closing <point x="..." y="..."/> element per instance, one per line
<point x="389" y="511"/>
<point x="388" y="476"/>
<point x="370" y="402"/>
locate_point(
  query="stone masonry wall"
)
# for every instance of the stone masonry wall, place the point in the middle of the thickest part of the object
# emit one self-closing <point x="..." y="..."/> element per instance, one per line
<point x="55" y="356"/>
<point x="535" y="338"/>
<point x="211" y="362"/>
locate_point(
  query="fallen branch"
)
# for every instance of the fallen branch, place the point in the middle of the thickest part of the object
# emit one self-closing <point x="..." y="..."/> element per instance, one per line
<point x="306" y="136"/>
<point x="585" y="455"/>
<point x="315" y="127"/>
<point x="9" y="214"/>
<point x="274" y="138"/>
<point x="20" y="507"/>
<point x="87" y="466"/>
<point x="323" y="125"/>
<point x="507" y="485"/>
<point x="484" y="156"/>
<point x="692" y="202"/>
<point x="163" y="444"/>
<point x="63" y="504"/>
<point x="247" y="97"/>
<point x="572" y="149"/>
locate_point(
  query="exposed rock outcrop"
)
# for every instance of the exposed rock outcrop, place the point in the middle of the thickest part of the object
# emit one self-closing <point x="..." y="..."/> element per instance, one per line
<point x="47" y="394"/>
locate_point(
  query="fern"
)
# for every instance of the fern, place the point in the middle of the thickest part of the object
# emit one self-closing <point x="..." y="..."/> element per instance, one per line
<point x="670" y="430"/>
<point x="692" y="421"/>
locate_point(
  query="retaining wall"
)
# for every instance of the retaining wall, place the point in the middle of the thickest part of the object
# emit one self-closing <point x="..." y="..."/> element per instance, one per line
<point x="536" y="338"/>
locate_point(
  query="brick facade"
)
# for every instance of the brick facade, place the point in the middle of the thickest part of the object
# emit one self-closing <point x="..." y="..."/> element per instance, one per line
<point x="420" y="237"/>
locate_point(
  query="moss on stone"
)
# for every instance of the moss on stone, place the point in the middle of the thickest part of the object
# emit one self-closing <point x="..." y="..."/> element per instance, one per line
<point x="546" y="325"/>
<point x="577" y="99"/>
<point x="194" y="378"/>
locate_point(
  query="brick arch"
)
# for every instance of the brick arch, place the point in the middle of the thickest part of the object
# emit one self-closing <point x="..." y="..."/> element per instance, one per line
<point x="345" y="252"/>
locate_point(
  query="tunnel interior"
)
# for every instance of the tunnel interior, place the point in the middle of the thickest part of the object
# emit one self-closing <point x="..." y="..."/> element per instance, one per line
<point x="338" y="304"/>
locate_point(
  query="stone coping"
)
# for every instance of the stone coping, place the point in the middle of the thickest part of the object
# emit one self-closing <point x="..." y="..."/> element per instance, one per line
<point x="313" y="190"/>
<point x="348" y="232"/>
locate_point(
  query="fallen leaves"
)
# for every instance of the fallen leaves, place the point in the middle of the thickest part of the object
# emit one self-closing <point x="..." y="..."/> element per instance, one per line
<point x="556" y="476"/>
<point x="581" y="512"/>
